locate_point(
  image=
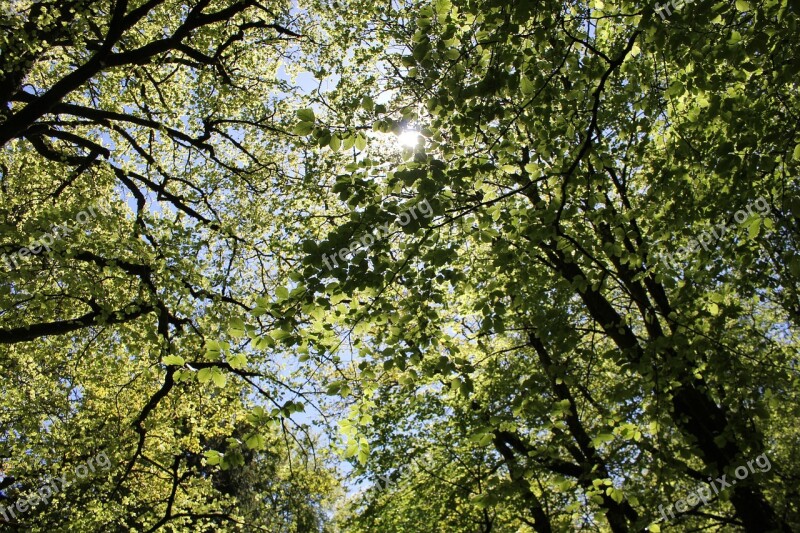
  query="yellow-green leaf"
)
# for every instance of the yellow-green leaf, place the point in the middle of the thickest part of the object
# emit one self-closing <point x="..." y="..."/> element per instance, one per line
<point x="173" y="360"/>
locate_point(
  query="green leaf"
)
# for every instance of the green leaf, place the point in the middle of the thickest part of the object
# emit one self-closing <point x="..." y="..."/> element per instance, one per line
<point x="280" y="334"/>
<point x="256" y="442"/>
<point x="306" y="115"/>
<point x="213" y="457"/>
<point x="526" y="86"/>
<point x="303" y="128"/>
<point x="510" y="169"/>
<point x="367" y="103"/>
<point x="238" y="361"/>
<point x="602" y="438"/>
<point x="742" y="5"/>
<point x="363" y="451"/>
<point x="753" y="228"/>
<point x="351" y="450"/>
<point x="261" y="343"/>
<point x="218" y="377"/>
<point x="486" y="439"/>
<point x="176" y="360"/>
<point x="237" y="328"/>
<point x="443" y="7"/>
<point x="675" y="89"/>
<point x="361" y="142"/>
<point x="484" y="501"/>
<point x="204" y="375"/>
<point x="615" y="494"/>
<point x="324" y="137"/>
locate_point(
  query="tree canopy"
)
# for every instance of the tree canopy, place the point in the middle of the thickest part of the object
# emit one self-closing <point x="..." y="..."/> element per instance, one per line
<point x="567" y="300"/>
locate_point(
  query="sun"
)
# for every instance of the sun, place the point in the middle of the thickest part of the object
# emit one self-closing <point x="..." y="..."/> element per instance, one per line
<point x="408" y="138"/>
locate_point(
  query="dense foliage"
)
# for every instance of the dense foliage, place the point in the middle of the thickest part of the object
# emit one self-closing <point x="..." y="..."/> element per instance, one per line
<point x="571" y="304"/>
<point x="115" y="338"/>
